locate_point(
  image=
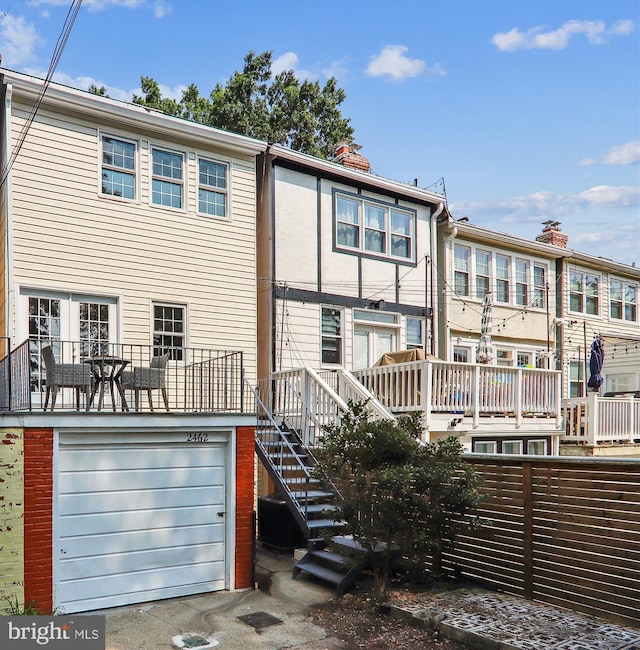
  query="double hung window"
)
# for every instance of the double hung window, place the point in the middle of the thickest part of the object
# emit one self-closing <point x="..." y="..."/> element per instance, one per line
<point x="167" y="182"/>
<point x="502" y="278"/>
<point x="331" y="343"/>
<point x="415" y="333"/>
<point x="169" y="330"/>
<point x="522" y="286"/>
<point x="483" y="273"/>
<point x="212" y="187"/>
<point x="118" y="173"/>
<point x="539" y="286"/>
<point x="623" y="299"/>
<point x="374" y="227"/>
<point x="461" y="256"/>
<point x="584" y="293"/>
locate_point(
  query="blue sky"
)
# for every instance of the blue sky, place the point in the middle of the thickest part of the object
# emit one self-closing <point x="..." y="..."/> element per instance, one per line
<point x="529" y="110"/>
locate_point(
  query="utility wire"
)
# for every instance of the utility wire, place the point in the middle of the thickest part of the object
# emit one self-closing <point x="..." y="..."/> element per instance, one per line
<point x="55" y="58"/>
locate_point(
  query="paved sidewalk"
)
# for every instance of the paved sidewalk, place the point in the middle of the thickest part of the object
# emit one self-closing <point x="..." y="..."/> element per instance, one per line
<point x="275" y="617"/>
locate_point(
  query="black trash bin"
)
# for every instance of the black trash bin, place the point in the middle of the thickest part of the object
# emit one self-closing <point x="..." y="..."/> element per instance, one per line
<point x="276" y="526"/>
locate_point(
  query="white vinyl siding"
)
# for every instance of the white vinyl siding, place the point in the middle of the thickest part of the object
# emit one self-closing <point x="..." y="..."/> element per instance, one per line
<point x="135" y="252"/>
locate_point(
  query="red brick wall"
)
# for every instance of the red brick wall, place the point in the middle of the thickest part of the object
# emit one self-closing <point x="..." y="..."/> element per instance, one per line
<point x="38" y="515"/>
<point x="245" y="454"/>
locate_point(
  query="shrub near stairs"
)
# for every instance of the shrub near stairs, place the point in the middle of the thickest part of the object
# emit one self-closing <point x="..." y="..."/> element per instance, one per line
<point x="399" y="497"/>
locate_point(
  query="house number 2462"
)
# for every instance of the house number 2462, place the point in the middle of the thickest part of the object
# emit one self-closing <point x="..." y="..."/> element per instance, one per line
<point x="198" y="437"/>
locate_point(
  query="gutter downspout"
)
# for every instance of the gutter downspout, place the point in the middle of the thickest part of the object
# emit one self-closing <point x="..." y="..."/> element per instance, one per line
<point x="10" y="298"/>
<point x="433" y="258"/>
<point x="451" y="234"/>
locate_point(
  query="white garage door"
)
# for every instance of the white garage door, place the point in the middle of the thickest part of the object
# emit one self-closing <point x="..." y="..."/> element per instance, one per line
<point x="138" y="522"/>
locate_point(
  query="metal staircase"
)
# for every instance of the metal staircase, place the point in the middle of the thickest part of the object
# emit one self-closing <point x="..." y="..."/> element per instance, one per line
<point x="300" y="403"/>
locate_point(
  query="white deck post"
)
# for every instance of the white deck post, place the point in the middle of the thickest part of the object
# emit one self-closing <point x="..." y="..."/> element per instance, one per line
<point x="592" y="418"/>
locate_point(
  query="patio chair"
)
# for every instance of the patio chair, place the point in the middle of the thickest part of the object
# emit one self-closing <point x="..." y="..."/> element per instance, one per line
<point x="148" y="379"/>
<point x="65" y="375"/>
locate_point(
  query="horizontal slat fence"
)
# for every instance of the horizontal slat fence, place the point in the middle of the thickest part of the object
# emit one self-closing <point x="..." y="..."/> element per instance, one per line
<point x="560" y="531"/>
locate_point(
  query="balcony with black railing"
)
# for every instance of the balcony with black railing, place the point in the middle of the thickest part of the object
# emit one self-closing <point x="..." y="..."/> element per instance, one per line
<point x="49" y="375"/>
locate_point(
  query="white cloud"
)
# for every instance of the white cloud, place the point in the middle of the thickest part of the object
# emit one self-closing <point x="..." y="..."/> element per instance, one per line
<point x="160" y="8"/>
<point x="544" y="203"/>
<point x="19" y="41"/>
<point x="595" y="31"/>
<point x="624" y="154"/>
<point x="289" y="61"/>
<point x="393" y="62"/>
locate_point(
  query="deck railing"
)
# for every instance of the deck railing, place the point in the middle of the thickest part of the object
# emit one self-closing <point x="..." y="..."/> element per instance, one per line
<point x="468" y="389"/>
<point x="196" y="380"/>
<point x="594" y="419"/>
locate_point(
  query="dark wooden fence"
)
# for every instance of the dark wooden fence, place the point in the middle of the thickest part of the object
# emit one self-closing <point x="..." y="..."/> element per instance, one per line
<point x="560" y="531"/>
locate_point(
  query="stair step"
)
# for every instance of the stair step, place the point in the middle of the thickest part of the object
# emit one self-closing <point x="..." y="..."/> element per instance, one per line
<point x="315" y="524"/>
<point x="335" y="577"/>
<point x="314" y="508"/>
<point x="331" y="558"/>
<point x="311" y="494"/>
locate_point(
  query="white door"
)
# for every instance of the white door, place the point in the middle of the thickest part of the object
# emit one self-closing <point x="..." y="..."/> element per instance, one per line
<point x="370" y="343"/>
<point x="138" y="521"/>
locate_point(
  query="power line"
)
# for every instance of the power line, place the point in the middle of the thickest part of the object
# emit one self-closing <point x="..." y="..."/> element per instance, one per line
<point x="55" y="58"/>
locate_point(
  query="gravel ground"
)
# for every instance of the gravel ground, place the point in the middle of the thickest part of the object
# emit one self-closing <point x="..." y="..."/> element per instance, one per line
<point x="359" y="622"/>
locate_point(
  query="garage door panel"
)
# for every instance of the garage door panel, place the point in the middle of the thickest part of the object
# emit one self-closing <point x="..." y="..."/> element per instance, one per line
<point x="141" y="457"/>
<point x="85" y="545"/>
<point x="136" y="585"/>
<point x="142" y="500"/>
<point x="107" y="481"/>
<point x="184" y="557"/>
<point x="138" y="522"/>
<point x="119" y="522"/>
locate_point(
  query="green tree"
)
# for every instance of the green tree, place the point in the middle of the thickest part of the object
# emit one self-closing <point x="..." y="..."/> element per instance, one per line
<point x="279" y="109"/>
<point x="101" y="90"/>
<point x="399" y="497"/>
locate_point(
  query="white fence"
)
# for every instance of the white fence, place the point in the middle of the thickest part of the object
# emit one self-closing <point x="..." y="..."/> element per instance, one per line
<point x="595" y="419"/>
<point x="468" y="389"/>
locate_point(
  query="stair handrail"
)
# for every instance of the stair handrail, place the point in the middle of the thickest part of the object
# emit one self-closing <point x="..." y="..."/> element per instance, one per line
<point x="373" y="405"/>
<point x="285" y="442"/>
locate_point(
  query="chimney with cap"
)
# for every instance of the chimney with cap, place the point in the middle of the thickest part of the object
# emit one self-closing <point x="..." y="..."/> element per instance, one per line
<point x="348" y="156"/>
<point x="551" y="234"/>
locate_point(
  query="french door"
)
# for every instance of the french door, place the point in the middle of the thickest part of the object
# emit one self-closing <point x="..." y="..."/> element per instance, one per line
<point x="75" y="325"/>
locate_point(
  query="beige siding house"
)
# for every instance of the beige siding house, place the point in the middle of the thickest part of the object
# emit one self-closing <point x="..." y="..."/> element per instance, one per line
<point x="115" y="205"/>
<point x="128" y="326"/>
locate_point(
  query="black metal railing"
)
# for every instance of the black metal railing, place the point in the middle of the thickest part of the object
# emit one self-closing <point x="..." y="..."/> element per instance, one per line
<point x="121" y="377"/>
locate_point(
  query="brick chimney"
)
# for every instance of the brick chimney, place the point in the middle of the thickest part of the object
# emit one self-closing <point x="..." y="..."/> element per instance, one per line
<point x="348" y="156"/>
<point x="551" y="234"/>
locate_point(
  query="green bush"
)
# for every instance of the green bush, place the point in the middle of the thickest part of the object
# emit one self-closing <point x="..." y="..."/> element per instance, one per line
<point x="399" y="496"/>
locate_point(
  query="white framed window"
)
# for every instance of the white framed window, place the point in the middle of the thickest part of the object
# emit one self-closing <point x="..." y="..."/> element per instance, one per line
<point x="461" y="354"/>
<point x="167" y="178"/>
<point x="169" y="330"/>
<point x="118" y="173"/>
<point x="536" y="447"/>
<point x="485" y="446"/>
<point x="576" y="379"/>
<point x="503" y="275"/>
<point x="623" y="300"/>
<point x="374" y="227"/>
<point x="584" y="292"/>
<point x="512" y="446"/>
<point x="213" y="184"/>
<point x="483" y="273"/>
<point x="539" y="286"/>
<point x="415" y="332"/>
<point x="461" y="270"/>
<point x="332" y="336"/>
<point x="522" y="282"/>
<point x="524" y="359"/>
